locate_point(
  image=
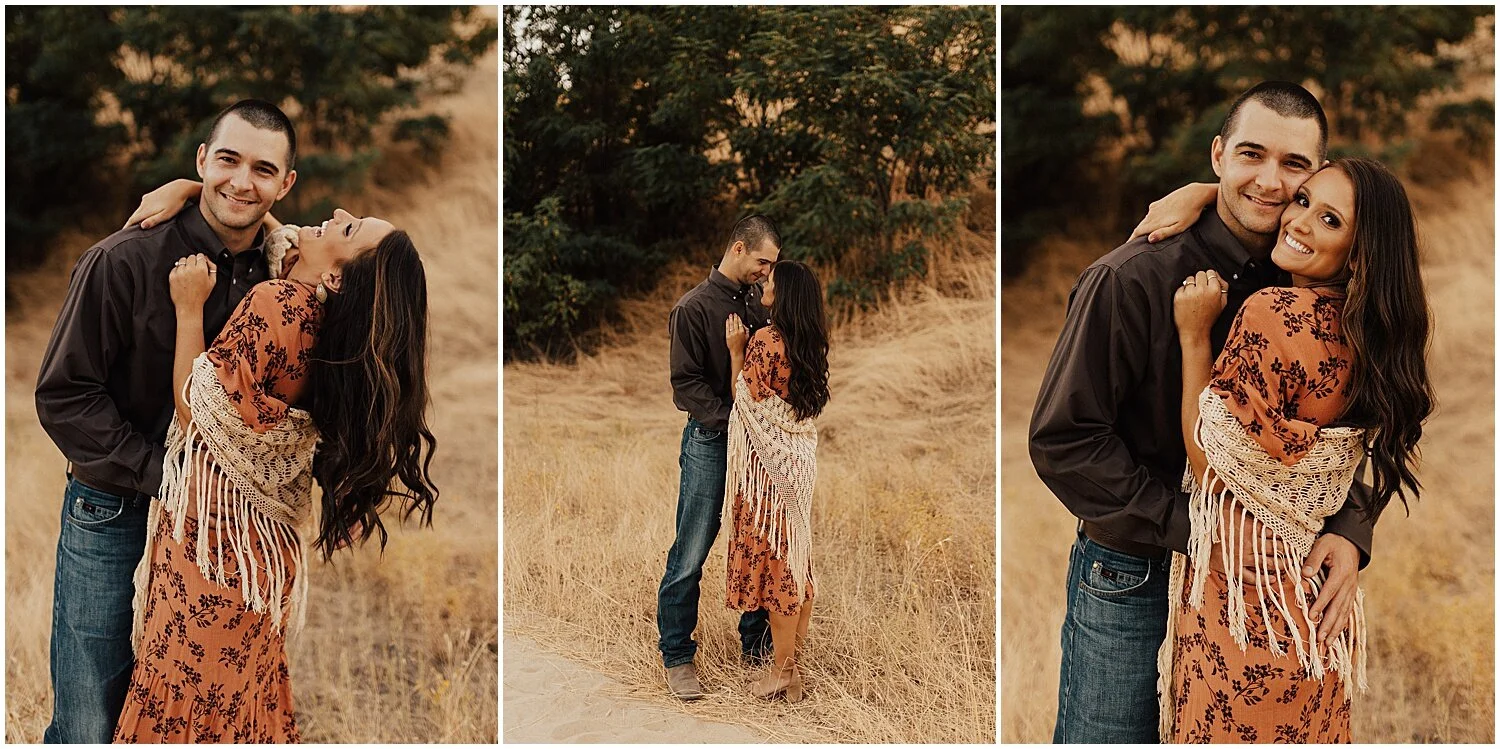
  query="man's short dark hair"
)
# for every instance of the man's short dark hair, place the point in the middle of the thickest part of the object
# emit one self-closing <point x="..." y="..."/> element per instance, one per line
<point x="1285" y="99"/>
<point x="265" y="116"/>
<point x="752" y="230"/>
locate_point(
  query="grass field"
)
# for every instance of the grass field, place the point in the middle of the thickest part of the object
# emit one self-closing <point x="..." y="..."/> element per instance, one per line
<point x="1430" y="585"/>
<point x="399" y="647"/>
<point x="901" y="647"/>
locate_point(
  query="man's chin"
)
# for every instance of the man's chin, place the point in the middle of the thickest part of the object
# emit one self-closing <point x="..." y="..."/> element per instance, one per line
<point x="238" y="219"/>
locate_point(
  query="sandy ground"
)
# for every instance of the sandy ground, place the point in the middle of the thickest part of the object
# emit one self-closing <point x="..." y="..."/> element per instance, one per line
<point x="550" y="699"/>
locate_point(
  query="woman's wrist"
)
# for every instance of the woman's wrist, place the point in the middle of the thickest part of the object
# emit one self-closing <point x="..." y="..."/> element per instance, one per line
<point x="1193" y="341"/>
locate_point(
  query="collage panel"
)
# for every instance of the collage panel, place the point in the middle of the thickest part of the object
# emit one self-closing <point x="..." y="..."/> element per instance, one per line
<point x="252" y="343"/>
<point x="749" y="378"/>
<point x="1247" y="305"/>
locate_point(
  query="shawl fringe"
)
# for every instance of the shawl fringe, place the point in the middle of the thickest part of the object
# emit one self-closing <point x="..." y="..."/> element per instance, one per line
<point x="772" y="462"/>
<point x="253" y="489"/>
<point x="1289" y="501"/>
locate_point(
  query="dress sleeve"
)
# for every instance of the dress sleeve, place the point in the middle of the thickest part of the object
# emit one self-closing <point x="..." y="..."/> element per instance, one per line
<point x="766" y="367"/>
<point x="252" y="352"/>
<point x="1261" y="373"/>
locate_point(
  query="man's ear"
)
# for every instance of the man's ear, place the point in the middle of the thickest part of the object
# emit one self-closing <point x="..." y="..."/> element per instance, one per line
<point x="1216" y="151"/>
<point x="286" y="185"/>
<point x="738" y="248"/>
<point x="201" y="162"/>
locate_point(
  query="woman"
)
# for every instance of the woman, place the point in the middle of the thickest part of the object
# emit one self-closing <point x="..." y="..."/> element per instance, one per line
<point x="781" y="388"/>
<point x="329" y="357"/>
<point x="1312" y="378"/>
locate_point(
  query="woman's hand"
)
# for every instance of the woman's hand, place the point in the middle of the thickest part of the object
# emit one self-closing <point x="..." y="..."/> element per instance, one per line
<point x="1197" y="304"/>
<point x="164" y="202"/>
<point x="191" y="281"/>
<point x="1173" y="214"/>
<point x="735" y="335"/>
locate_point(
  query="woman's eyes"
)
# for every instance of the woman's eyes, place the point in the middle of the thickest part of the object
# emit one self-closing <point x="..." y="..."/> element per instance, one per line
<point x="1333" y="223"/>
<point x="347" y="229"/>
<point x="1300" y="200"/>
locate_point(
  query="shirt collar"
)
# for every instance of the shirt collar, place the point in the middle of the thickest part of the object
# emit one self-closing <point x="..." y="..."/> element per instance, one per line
<point x="1226" y="248"/>
<point x="202" y="239"/>
<point x="722" y="281"/>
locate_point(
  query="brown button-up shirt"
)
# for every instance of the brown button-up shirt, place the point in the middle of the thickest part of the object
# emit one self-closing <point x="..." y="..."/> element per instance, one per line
<point x="104" y="394"/>
<point x="699" y="359"/>
<point x="1106" y="433"/>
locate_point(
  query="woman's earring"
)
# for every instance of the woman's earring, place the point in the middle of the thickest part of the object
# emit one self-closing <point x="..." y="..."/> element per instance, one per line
<point x="321" y="292"/>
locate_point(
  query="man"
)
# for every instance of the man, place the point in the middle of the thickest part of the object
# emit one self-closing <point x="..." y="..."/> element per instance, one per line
<point x="104" y="396"/>
<point x="1106" y="435"/>
<point x="701" y="386"/>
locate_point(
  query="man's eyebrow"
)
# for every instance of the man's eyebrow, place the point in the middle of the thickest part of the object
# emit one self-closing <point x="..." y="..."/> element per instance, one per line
<point x="275" y="169"/>
<point x="1258" y="147"/>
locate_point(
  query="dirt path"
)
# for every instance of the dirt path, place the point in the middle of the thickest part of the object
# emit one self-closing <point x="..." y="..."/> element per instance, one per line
<point x="549" y="699"/>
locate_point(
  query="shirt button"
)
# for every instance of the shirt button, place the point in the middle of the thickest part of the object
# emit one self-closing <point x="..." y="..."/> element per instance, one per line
<point x="1236" y="277"/>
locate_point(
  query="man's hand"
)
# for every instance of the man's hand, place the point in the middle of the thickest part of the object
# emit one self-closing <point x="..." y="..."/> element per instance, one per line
<point x="1339" y="557"/>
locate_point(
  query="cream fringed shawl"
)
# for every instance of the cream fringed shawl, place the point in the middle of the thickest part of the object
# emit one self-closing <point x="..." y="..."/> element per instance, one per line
<point x="1292" y="502"/>
<point x="257" y="486"/>
<point x="772" y="462"/>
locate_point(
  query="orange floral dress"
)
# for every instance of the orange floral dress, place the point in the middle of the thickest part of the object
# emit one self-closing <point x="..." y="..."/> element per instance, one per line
<point x="1284" y="373"/>
<point x="210" y="670"/>
<point x="759" y="579"/>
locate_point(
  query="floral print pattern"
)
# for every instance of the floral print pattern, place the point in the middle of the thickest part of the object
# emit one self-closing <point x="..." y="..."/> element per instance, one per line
<point x="759" y="579"/>
<point x="209" y="669"/>
<point x="1284" y="372"/>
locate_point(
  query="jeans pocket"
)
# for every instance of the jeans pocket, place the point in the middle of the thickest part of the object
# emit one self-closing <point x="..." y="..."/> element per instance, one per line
<point x="706" y="435"/>
<point x="91" y="508"/>
<point x="1114" y="575"/>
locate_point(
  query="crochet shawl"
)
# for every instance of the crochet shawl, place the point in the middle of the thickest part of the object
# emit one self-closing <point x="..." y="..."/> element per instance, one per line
<point x="249" y="482"/>
<point x="1290" y="501"/>
<point x="772" y="463"/>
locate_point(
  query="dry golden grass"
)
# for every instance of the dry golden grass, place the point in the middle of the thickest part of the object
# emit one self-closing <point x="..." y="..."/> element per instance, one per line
<point x="1430" y="586"/>
<point x="399" y="647"/>
<point x="902" y="639"/>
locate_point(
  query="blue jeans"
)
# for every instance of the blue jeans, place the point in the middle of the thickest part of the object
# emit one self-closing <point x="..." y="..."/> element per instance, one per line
<point x="103" y="537"/>
<point x="700" y="500"/>
<point x="1117" y="619"/>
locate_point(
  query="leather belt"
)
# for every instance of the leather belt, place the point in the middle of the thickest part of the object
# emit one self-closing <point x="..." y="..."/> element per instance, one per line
<point x="1125" y="546"/>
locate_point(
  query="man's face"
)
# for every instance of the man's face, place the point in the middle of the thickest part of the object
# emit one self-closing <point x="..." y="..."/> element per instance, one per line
<point x="1260" y="166"/>
<point x="244" y="172"/>
<point x="754" y="265"/>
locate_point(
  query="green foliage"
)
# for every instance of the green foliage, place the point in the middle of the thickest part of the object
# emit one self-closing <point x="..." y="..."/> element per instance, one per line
<point x="1176" y="70"/>
<point x="636" y="135"/>
<point x="167" y="70"/>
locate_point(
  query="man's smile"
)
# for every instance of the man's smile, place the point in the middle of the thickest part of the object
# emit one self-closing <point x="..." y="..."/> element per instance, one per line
<point x="234" y="200"/>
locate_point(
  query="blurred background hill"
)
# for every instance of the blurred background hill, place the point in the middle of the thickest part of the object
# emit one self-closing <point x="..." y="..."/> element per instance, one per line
<point x="105" y="103"/>
<point x="1107" y="109"/>
<point x="400" y="646"/>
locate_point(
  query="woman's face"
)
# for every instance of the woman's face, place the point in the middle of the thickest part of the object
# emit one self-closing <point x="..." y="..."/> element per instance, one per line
<point x="768" y="289"/>
<point x="336" y="241"/>
<point x="1317" y="229"/>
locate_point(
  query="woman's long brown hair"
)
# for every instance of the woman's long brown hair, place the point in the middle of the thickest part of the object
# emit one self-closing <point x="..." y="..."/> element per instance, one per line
<point x="368" y="391"/>
<point x="798" y="313"/>
<point x="1387" y="324"/>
